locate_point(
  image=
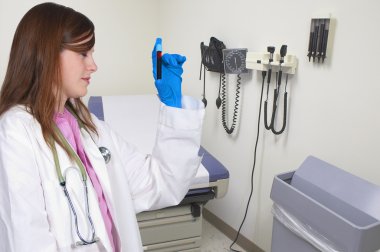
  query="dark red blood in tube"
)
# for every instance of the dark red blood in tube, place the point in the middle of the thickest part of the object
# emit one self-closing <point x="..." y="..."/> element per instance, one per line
<point x="159" y="65"/>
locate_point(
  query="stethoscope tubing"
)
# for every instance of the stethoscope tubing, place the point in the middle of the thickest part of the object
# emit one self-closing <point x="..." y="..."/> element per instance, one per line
<point x="82" y="171"/>
<point x="83" y="241"/>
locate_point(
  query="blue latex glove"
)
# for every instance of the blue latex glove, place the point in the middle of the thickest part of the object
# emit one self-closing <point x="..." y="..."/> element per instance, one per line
<point x="169" y="86"/>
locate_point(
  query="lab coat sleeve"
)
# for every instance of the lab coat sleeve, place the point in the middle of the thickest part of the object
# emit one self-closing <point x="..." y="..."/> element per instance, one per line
<point x="23" y="220"/>
<point x="163" y="178"/>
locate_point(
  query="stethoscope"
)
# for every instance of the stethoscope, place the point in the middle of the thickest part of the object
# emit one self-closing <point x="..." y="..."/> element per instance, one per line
<point x="62" y="181"/>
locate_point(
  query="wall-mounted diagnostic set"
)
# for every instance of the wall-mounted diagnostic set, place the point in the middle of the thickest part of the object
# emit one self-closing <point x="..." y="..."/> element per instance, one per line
<point x="280" y="63"/>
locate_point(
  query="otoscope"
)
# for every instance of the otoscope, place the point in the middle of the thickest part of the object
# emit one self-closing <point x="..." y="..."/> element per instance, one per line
<point x="270" y="49"/>
<point x="159" y="62"/>
<point x="278" y="84"/>
<point x="282" y="54"/>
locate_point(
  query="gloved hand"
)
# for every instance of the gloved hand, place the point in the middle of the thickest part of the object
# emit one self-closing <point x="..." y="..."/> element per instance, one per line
<point x="169" y="86"/>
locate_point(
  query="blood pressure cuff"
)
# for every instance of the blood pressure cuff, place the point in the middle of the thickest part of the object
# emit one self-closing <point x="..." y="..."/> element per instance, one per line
<point x="212" y="55"/>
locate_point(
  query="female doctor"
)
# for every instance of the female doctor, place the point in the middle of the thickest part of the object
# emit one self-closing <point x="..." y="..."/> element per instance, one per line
<point x="57" y="191"/>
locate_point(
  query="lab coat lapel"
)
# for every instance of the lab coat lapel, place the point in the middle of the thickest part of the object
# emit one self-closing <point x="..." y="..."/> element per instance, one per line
<point x="98" y="164"/>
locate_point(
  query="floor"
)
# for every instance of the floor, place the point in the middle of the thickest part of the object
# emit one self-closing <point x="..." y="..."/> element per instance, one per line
<point x="215" y="241"/>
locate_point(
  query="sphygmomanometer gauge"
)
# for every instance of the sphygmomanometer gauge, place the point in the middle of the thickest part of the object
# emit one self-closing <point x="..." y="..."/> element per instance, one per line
<point x="234" y="61"/>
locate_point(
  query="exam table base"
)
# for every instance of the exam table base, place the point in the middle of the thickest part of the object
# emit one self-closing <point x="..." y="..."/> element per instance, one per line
<point x="172" y="229"/>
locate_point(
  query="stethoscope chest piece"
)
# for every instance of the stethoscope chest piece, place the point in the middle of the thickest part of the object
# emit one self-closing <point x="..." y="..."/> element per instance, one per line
<point x="105" y="153"/>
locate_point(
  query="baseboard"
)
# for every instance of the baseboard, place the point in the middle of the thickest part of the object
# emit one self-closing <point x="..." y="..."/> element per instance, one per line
<point x="230" y="232"/>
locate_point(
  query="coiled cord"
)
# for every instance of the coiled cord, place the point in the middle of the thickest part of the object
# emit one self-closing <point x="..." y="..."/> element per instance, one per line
<point x="276" y="93"/>
<point x="268" y="126"/>
<point x="236" y="107"/>
<point x="285" y="109"/>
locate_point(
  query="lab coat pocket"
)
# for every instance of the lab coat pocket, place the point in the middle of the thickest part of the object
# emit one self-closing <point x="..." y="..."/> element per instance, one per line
<point x="95" y="247"/>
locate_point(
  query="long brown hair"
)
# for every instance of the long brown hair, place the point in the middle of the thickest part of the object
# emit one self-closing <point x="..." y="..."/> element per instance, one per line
<point x="33" y="76"/>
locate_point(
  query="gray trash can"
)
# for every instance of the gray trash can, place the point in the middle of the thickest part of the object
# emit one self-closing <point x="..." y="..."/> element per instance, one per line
<point x="320" y="207"/>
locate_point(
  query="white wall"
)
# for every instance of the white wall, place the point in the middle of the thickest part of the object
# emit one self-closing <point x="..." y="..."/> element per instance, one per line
<point x="125" y="35"/>
<point x="333" y="108"/>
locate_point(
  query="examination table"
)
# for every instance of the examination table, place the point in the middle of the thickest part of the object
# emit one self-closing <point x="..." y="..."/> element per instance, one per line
<point x="178" y="228"/>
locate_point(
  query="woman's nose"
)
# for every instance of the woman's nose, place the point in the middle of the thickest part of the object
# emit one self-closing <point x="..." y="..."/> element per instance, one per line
<point x="92" y="65"/>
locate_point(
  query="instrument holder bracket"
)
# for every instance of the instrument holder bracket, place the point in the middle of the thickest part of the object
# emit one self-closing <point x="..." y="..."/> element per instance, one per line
<point x="261" y="61"/>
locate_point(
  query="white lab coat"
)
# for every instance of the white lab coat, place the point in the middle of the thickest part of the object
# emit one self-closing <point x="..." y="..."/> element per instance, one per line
<point x="34" y="213"/>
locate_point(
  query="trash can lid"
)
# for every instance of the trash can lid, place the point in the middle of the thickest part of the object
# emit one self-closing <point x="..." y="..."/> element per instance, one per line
<point x="315" y="176"/>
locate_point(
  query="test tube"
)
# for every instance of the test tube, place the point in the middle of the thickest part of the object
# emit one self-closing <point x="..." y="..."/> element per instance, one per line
<point x="159" y="62"/>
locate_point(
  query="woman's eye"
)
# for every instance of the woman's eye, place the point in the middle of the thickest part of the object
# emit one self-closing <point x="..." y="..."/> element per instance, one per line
<point x="84" y="54"/>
